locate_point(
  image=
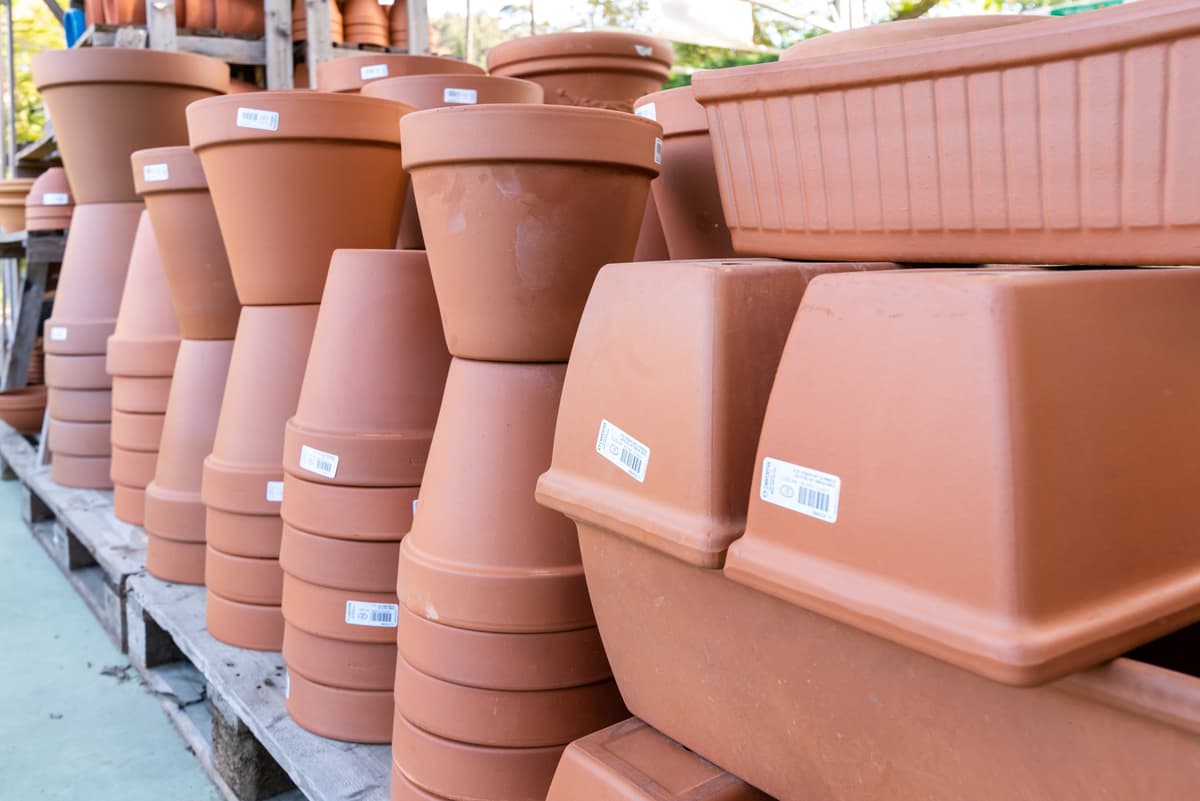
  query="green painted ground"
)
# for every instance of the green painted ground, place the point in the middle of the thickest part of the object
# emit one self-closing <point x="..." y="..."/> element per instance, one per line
<point x="67" y="730"/>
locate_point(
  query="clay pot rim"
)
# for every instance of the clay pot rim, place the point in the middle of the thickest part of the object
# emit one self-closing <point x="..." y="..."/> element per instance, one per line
<point x="344" y="74"/>
<point x="676" y="110"/>
<point x="33" y="391"/>
<point x="382" y="87"/>
<point x="865" y="38"/>
<point x="184" y="172"/>
<point x="84" y="65"/>
<point x="583" y="45"/>
<point x="212" y="122"/>
<point x="434" y="137"/>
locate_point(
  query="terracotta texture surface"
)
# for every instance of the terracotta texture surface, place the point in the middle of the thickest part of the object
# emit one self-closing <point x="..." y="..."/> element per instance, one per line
<point x="259" y="628"/>
<point x="77" y="372"/>
<point x="137" y="432"/>
<point x="630" y="761"/>
<point x="145" y="340"/>
<point x="519" y="215"/>
<point x="906" y="166"/>
<point x="356" y="716"/>
<point x="256" y="536"/>
<point x="87" y="472"/>
<point x="89" y="91"/>
<point x="353" y="73"/>
<point x="172" y="183"/>
<point x="49" y="204"/>
<point x="243" y="579"/>
<point x="129" y="503"/>
<point x="328" y="164"/>
<point x="352" y="513"/>
<point x="910" y="30"/>
<point x="79" y="439"/>
<point x="173" y="560"/>
<point x="133" y="468"/>
<point x="79" y="405"/>
<point x="340" y="663"/>
<point x="604" y="69"/>
<point x="141" y="394"/>
<point x="24" y="408"/>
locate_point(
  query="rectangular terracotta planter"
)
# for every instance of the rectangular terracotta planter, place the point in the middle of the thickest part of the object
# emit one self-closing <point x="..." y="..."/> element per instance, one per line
<point x="1066" y="143"/>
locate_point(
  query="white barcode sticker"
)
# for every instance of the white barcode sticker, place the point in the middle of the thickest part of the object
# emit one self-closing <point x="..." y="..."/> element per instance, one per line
<point x="373" y="71"/>
<point x="648" y="111"/>
<point x="365" y="613"/>
<point x="55" y="199"/>
<point x="322" y="463"/>
<point x="258" y="119"/>
<point x="657" y="151"/>
<point x="58" y="333"/>
<point x="626" y="452"/>
<point x="274" y="491"/>
<point x="155" y="172"/>
<point x="461" y="96"/>
<point x="645" y="51"/>
<point x="801" y="489"/>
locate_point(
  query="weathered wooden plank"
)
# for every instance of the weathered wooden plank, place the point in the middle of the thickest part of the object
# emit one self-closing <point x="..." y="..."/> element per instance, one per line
<point x="418" y="26"/>
<point x="160" y="17"/>
<point x="319" y="44"/>
<point x="279" y="53"/>
<point x="47" y="247"/>
<point x="29" y="316"/>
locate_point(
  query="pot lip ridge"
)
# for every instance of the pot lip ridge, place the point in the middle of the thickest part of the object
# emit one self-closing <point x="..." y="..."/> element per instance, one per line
<point x="450" y="79"/>
<point x="676" y="110"/>
<point x="183" y="170"/>
<point x="435" y="136"/>
<point x="344" y="74"/>
<point x="213" y="122"/>
<point x="582" y="44"/>
<point x="85" y="65"/>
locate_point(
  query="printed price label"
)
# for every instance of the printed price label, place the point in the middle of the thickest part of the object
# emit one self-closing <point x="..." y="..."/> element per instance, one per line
<point x="55" y="199"/>
<point x="648" y="111"/>
<point x="623" y="450"/>
<point x="274" y="491"/>
<point x="373" y="71"/>
<point x="258" y="119"/>
<point x="460" y="96"/>
<point x="155" y="172"/>
<point x="657" y="151"/>
<point x="364" y="613"/>
<point x="320" y="462"/>
<point x="801" y="489"/>
<point x="58" y="333"/>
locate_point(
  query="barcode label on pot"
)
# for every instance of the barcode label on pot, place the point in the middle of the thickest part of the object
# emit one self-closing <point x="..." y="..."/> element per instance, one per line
<point x="155" y="172"/>
<point x="626" y="452"/>
<point x="364" y="613"/>
<point x="58" y="333"/>
<point x="648" y="111"/>
<point x="373" y="71"/>
<point x="657" y="151"/>
<point x="645" y="51"/>
<point x="322" y="463"/>
<point x="274" y="491"/>
<point x="55" y="199"/>
<point x="461" y="96"/>
<point x="258" y="119"/>
<point x="801" y="489"/>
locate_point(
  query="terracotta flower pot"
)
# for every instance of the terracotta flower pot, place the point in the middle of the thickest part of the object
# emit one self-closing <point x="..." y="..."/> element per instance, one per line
<point x="141" y="395"/>
<point x="24" y="408"/>
<point x="435" y="91"/>
<point x="201" y="14"/>
<point x="934" y="198"/>
<point x="398" y="25"/>
<point x="353" y="73"/>
<point x="145" y="340"/>
<point x="355" y="425"/>
<point x="79" y="405"/>
<point x="48" y="218"/>
<point x="339" y="563"/>
<point x="174" y="509"/>
<point x="605" y="69"/>
<point x="83" y="472"/>
<point x="243" y="579"/>
<point x="244" y="472"/>
<point x="327" y="611"/>
<point x="1002" y="598"/>
<point x="193" y="254"/>
<point x="133" y="468"/>
<point x="685" y="195"/>
<point x="77" y="372"/>
<point x="137" y="432"/>
<point x="129" y="504"/>
<point x="404" y="790"/>
<point x="351" y="513"/>
<point x="525" y="719"/>
<point x="329" y="165"/>
<point x="93" y="276"/>
<point x="173" y="560"/>
<point x="882" y="35"/>
<point x="254" y="536"/>
<point x="499" y="563"/>
<point x="651" y="241"/>
<point x="12" y="216"/>
<point x="355" y="716"/>
<point x="91" y="89"/>
<point x="300" y="24"/>
<point x="49" y="204"/>
<point x="365" y="22"/>
<point x="239" y="17"/>
<point x="252" y="626"/>
<point x="630" y="761"/>
<point x="79" y="439"/>
<point x="502" y="661"/>
<point x="124" y="12"/>
<point x="338" y="663"/>
<point x="520" y="207"/>
<point x="456" y="770"/>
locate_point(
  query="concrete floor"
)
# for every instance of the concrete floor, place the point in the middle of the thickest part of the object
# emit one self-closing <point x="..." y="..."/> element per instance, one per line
<point x="67" y="730"/>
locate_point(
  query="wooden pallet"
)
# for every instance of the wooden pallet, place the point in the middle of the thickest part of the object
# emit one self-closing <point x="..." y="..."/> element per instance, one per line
<point x="226" y="702"/>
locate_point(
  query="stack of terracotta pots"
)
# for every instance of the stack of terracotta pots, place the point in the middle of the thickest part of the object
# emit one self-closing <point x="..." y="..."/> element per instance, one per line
<point x="49" y="204"/>
<point x="13" y="192"/>
<point x="293" y="176"/>
<point x="300" y="22"/>
<point x="354" y="455"/>
<point x="206" y="307"/>
<point x="141" y="360"/>
<point x="398" y="25"/>
<point x="500" y="662"/>
<point x="365" y="22"/>
<point x="88" y="93"/>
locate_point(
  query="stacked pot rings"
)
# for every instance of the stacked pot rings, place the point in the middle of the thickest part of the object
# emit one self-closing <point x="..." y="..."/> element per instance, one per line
<point x="200" y="286"/>
<point x="49" y="204"/>
<point x="339" y="154"/>
<point x="88" y="92"/>
<point x="354" y="457"/>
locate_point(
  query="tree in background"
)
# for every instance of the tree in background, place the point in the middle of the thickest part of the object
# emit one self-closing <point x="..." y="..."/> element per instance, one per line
<point x="34" y="29"/>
